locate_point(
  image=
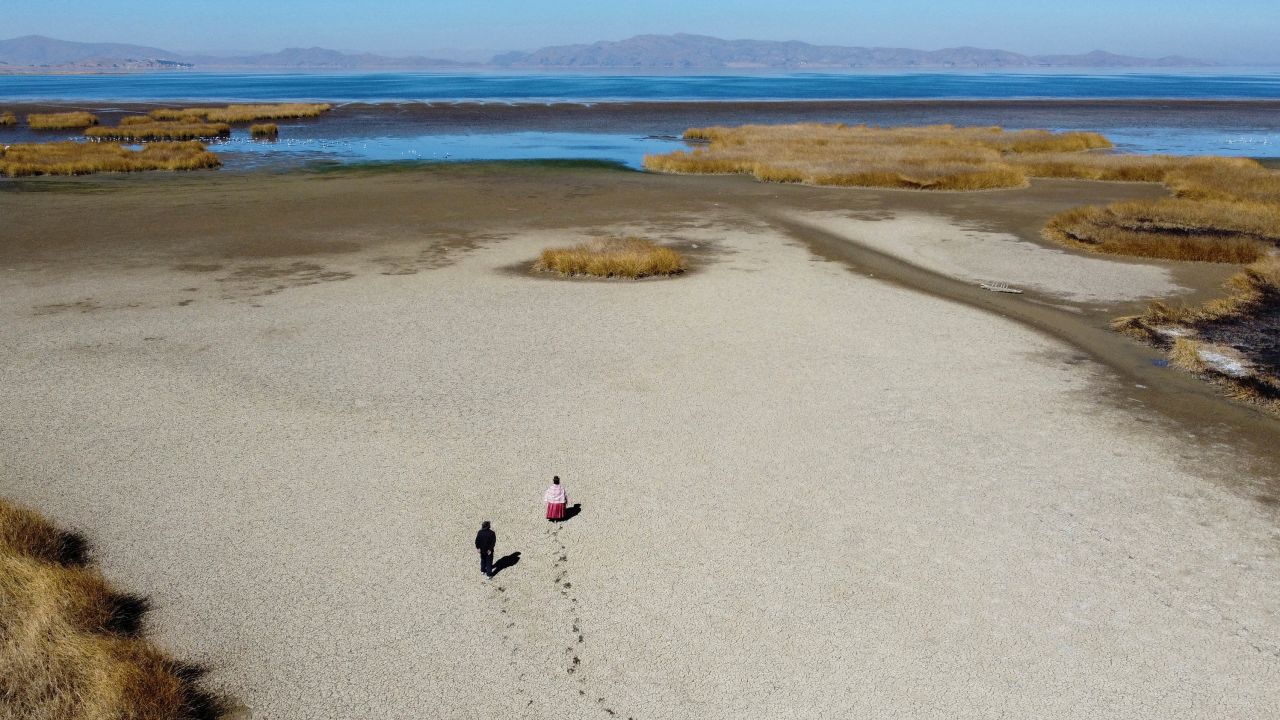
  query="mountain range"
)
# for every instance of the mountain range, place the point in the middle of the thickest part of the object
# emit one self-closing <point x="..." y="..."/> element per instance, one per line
<point x="643" y="52"/>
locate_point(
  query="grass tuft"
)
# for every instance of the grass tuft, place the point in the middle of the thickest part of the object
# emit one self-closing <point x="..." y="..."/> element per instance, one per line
<point x="83" y="158"/>
<point x="613" y="257"/>
<point x="243" y="113"/>
<point x="70" y="645"/>
<point x="138" y="131"/>
<point x="61" y="121"/>
<point x="268" y="131"/>
<point x="8" y="119"/>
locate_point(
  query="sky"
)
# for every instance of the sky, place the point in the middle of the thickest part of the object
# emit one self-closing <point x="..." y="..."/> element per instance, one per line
<point x="1232" y="31"/>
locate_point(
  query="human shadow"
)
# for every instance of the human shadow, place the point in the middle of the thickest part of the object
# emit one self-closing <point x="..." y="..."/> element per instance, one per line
<point x="571" y="512"/>
<point x="505" y="562"/>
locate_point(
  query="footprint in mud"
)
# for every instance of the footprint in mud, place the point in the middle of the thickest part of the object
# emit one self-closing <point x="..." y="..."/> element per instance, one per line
<point x="574" y="665"/>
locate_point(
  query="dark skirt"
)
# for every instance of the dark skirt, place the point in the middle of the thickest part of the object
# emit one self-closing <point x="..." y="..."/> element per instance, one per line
<point x="555" y="511"/>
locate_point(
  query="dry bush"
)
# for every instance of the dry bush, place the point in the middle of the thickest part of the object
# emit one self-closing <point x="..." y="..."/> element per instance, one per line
<point x="69" y="644"/>
<point x="612" y="257"/>
<point x="8" y="119"/>
<point x="61" y="121"/>
<point x="82" y="158"/>
<point x="267" y="131"/>
<point x="243" y="113"/>
<point x="144" y="132"/>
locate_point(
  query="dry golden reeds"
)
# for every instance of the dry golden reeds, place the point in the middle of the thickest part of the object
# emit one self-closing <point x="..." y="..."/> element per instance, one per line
<point x="70" y="644"/>
<point x="243" y="113"/>
<point x="137" y="131"/>
<point x="266" y="131"/>
<point x="82" y="158"/>
<point x="8" y="119"/>
<point x="612" y="257"/>
<point x="61" y="121"/>
<point x="941" y="157"/>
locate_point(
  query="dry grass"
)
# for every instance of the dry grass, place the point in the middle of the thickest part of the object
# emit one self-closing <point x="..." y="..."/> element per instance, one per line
<point x="62" y="121"/>
<point x="82" y="158"/>
<point x="269" y="131"/>
<point x="243" y="113"/>
<point x="941" y="157"/>
<point x="1173" y="229"/>
<point x="138" y="131"/>
<point x="613" y="257"/>
<point x="69" y="643"/>
<point x="8" y="119"/>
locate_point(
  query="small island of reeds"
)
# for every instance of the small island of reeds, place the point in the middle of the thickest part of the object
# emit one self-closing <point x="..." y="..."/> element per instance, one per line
<point x="265" y="131"/>
<point x="61" y="121"/>
<point x="82" y="158"/>
<point x="145" y="130"/>
<point x="624" y="257"/>
<point x="243" y="113"/>
<point x="73" y="646"/>
<point x="8" y="119"/>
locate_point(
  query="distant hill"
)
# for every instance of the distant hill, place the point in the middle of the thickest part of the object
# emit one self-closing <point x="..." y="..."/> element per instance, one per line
<point x="40" y="50"/>
<point x="37" y="51"/>
<point x="687" y="52"/>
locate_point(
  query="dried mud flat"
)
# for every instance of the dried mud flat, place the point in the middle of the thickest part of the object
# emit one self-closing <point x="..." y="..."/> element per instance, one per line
<point x="281" y="404"/>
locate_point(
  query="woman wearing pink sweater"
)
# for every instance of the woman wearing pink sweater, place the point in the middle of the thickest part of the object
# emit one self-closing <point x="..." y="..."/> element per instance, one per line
<point x="556" y="499"/>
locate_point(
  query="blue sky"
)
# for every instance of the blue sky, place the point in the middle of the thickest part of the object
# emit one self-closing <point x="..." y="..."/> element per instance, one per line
<point x="1229" y="30"/>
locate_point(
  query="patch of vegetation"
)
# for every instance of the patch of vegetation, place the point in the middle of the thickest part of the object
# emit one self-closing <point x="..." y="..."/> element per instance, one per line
<point x="613" y="257"/>
<point x="8" y="119"/>
<point x="82" y="158"/>
<point x="1223" y="210"/>
<point x="940" y="157"/>
<point x="61" y="121"/>
<point x="243" y="113"/>
<point x="137" y="131"/>
<point x="71" y="644"/>
<point x="266" y="131"/>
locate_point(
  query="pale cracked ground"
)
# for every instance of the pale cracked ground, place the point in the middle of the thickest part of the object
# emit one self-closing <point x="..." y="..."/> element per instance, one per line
<point x="804" y="494"/>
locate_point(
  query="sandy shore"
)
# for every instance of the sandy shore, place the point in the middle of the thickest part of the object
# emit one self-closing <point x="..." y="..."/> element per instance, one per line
<point x="282" y="404"/>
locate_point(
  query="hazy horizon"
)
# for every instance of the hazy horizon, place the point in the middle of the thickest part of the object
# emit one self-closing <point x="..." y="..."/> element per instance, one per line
<point x="1148" y="28"/>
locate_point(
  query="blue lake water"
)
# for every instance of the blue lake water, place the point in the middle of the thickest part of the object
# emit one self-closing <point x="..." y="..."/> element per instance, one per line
<point x="517" y="123"/>
<point x="596" y="87"/>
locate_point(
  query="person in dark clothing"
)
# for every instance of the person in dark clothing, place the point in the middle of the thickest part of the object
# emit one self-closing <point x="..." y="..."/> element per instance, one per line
<point x="486" y="540"/>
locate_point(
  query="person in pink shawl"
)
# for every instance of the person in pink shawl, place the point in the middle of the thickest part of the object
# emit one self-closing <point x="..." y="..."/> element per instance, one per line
<point x="556" y="499"/>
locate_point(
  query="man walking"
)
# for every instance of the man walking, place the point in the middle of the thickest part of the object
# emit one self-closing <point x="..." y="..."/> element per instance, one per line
<point x="486" y="540"/>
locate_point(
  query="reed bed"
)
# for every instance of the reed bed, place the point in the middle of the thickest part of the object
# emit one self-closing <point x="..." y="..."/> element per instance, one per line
<point x="137" y="131"/>
<point x="941" y="157"/>
<point x="613" y="257"/>
<point x="8" y="119"/>
<point x="82" y="158"/>
<point x="70" y="644"/>
<point x="266" y="131"/>
<point x="61" y="121"/>
<point x="243" y="113"/>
